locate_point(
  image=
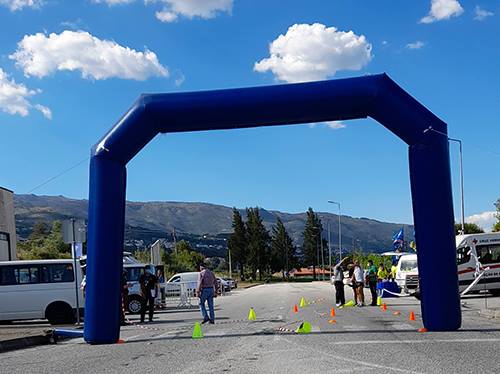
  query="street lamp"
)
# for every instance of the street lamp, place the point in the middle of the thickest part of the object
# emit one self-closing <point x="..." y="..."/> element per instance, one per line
<point x="340" y="229"/>
<point x="461" y="171"/>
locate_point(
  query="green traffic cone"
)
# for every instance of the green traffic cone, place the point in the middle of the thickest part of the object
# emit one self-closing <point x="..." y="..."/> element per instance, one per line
<point x="379" y="301"/>
<point x="349" y="303"/>
<point x="251" y="315"/>
<point x="302" y="302"/>
<point x="304" y="328"/>
<point x="197" y="333"/>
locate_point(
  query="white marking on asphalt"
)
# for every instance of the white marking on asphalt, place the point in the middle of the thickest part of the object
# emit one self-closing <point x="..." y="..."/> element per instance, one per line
<point x="418" y="341"/>
<point x="356" y="361"/>
<point x="402" y="326"/>
<point x="133" y="337"/>
<point x="354" y="327"/>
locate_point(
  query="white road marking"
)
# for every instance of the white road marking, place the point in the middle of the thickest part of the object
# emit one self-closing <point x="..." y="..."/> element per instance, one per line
<point x="355" y="361"/>
<point x="418" y="341"/>
<point x="401" y="326"/>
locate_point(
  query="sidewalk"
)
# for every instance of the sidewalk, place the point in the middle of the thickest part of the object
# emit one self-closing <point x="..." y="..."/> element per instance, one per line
<point x="24" y="334"/>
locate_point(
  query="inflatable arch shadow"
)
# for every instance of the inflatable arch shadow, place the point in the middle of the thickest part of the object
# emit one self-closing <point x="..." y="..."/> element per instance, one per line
<point x="375" y="96"/>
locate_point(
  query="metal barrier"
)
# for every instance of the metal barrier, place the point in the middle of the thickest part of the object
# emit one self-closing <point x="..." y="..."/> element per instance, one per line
<point x="179" y="295"/>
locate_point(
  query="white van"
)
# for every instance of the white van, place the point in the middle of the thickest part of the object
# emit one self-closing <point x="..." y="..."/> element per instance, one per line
<point x="482" y="248"/>
<point x="40" y="289"/>
<point x="188" y="280"/>
<point x="472" y="250"/>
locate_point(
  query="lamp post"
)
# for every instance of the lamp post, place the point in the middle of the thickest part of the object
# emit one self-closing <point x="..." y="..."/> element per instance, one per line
<point x="340" y="229"/>
<point x="461" y="172"/>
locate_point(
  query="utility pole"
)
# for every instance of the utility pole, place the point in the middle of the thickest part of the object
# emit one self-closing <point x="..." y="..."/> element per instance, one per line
<point x="462" y="204"/>
<point x="340" y="228"/>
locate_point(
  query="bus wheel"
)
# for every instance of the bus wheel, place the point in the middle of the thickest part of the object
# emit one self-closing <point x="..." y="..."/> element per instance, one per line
<point x="134" y="304"/>
<point x="60" y="313"/>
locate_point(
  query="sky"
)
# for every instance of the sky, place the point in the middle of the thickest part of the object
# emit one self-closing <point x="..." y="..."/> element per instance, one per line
<point x="70" y="69"/>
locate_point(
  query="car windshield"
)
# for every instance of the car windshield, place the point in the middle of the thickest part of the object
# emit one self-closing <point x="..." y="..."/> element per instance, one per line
<point x="408" y="265"/>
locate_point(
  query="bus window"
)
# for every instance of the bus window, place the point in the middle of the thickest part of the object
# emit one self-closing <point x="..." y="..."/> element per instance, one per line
<point x="463" y="255"/>
<point x="488" y="254"/>
<point x="7" y="276"/>
<point x="57" y="273"/>
<point x="27" y="275"/>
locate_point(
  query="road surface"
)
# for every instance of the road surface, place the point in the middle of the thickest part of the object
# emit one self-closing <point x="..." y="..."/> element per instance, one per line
<point x="362" y="340"/>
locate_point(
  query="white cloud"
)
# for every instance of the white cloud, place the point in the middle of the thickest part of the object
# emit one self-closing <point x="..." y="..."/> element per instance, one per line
<point x="113" y="2"/>
<point x="47" y="113"/>
<point x="314" y="52"/>
<point x="205" y="9"/>
<point x="415" y="45"/>
<point x="485" y="220"/>
<point x="481" y="14"/>
<point x="14" y="5"/>
<point x="40" y="55"/>
<point x="442" y="10"/>
<point x="179" y="78"/>
<point x="334" y="125"/>
<point x="14" y="97"/>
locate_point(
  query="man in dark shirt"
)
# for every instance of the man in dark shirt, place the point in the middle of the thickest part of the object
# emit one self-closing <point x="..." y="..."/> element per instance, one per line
<point x="206" y="292"/>
<point x="149" y="290"/>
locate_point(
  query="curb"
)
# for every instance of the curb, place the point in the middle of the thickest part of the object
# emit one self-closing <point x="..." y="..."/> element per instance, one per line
<point x="252" y="285"/>
<point x="26" y="342"/>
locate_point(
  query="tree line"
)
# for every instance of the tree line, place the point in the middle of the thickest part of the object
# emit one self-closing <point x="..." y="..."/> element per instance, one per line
<point x="257" y="252"/>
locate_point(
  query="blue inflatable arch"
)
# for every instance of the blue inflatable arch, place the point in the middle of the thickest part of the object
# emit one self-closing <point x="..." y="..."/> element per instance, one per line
<point x="374" y="96"/>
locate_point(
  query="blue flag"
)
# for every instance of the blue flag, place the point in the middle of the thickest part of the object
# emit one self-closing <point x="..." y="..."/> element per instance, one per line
<point x="398" y="239"/>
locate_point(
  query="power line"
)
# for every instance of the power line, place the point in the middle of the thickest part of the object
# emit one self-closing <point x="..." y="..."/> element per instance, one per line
<point x="59" y="175"/>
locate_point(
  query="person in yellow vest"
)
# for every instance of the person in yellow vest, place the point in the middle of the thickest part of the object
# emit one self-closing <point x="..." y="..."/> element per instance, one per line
<point x="382" y="273"/>
<point x="394" y="268"/>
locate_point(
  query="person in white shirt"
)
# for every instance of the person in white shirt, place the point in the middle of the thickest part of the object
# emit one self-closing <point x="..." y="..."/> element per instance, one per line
<point x="358" y="278"/>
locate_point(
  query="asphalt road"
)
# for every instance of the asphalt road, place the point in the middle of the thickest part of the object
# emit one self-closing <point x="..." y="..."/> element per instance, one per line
<point x="362" y="340"/>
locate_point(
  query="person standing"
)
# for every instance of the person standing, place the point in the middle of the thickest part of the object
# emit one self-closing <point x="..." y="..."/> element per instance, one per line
<point x="206" y="292"/>
<point x="358" y="283"/>
<point x="124" y="291"/>
<point x="338" y="281"/>
<point x="371" y="279"/>
<point x="149" y="290"/>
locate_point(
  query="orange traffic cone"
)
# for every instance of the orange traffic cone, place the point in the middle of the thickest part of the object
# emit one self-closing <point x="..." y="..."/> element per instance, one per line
<point x="384" y="307"/>
<point x="295" y="308"/>
<point x="412" y="316"/>
<point x="332" y="312"/>
<point x="422" y="329"/>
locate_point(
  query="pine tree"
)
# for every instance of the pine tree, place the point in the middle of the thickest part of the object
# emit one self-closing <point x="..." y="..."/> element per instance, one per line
<point x="312" y="236"/>
<point x="282" y="249"/>
<point x="237" y="242"/>
<point x="258" y="243"/>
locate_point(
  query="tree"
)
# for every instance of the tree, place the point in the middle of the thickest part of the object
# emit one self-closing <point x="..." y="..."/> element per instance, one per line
<point x="237" y="242"/>
<point x="183" y="259"/>
<point x="470" y="228"/>
<point x="40" y="230"/>
<point x="282" y="249"/>
<point x="496" y="226"/>
<point x="312" y="236"/>
<point x="258" y="243"/>
<point x="44" y="244"/>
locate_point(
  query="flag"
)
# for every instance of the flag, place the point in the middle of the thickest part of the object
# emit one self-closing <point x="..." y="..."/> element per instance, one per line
<point x="398" y="239"/>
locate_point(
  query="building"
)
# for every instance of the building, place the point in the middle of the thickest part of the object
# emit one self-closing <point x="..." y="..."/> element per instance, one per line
<point x="7" y="226"/>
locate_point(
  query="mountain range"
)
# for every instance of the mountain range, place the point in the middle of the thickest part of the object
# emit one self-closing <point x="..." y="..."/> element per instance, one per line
<point x="205" y="225"/>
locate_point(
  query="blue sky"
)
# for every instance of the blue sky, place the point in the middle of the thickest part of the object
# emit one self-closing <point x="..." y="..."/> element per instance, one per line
<point x="69" y="69"/>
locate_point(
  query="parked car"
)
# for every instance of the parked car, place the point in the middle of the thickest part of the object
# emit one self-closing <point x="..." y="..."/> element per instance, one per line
<point x="225" y="286"/>
<point x="232" y="282"/>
